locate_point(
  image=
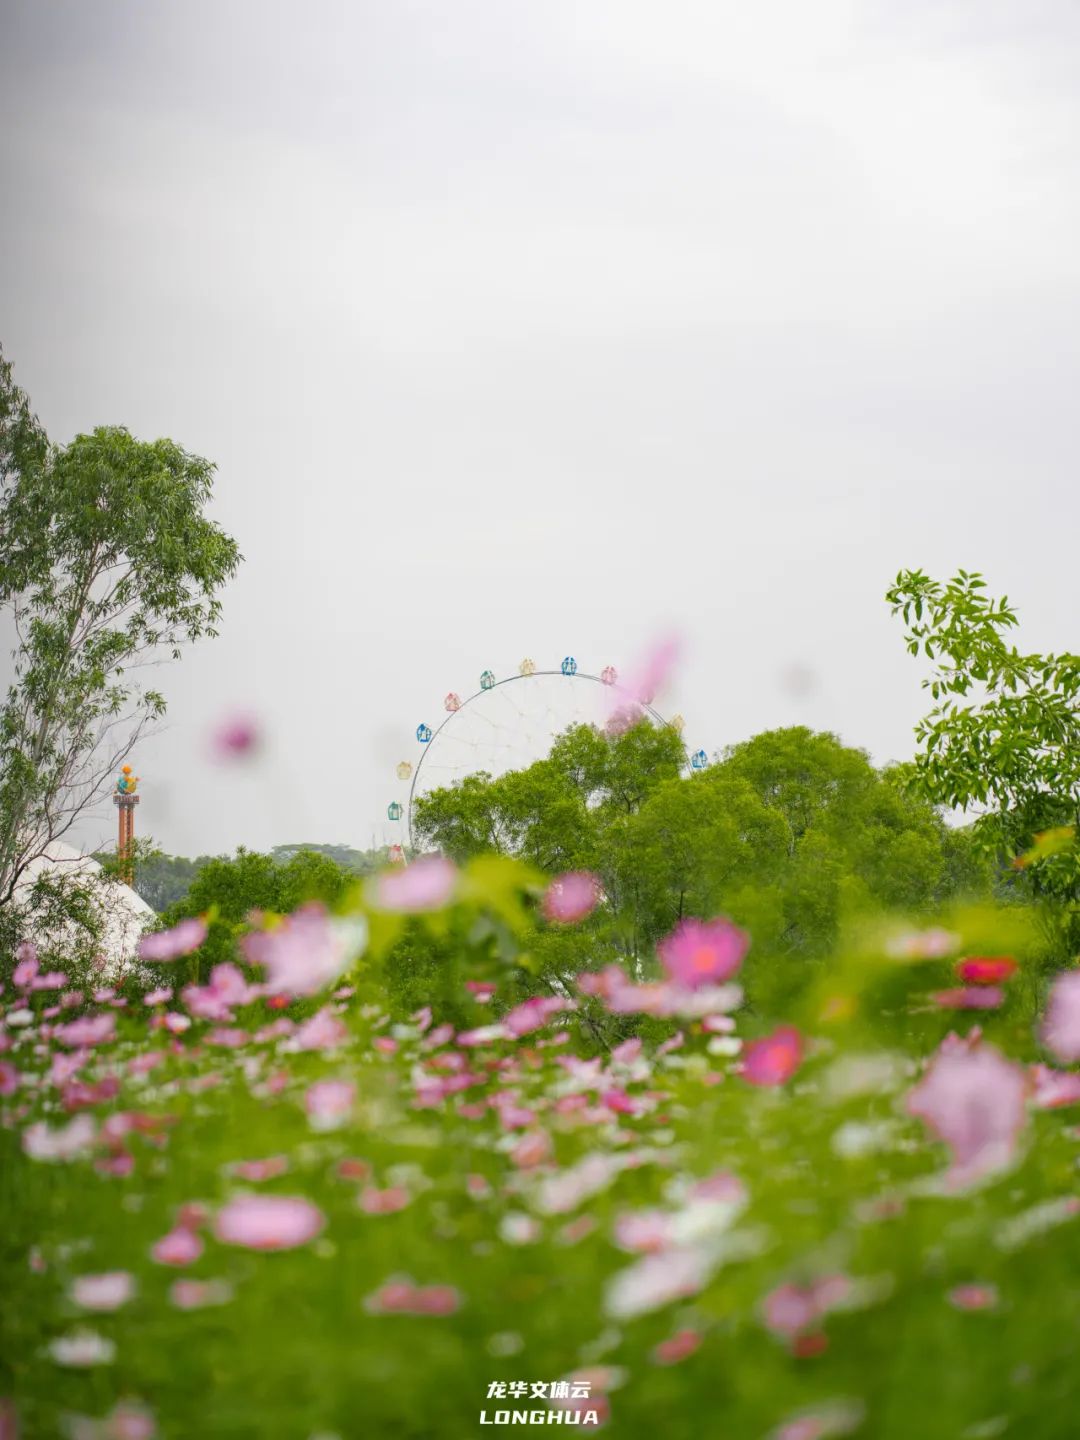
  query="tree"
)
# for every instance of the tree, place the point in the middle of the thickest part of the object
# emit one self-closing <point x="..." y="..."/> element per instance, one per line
<point x="1003" y="736"/>
<point x="107" y="563"/>
<point x="229" y="889"/>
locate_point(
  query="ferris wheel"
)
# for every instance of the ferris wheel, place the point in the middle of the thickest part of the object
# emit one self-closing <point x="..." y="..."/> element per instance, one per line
<point x="508" y="723"/>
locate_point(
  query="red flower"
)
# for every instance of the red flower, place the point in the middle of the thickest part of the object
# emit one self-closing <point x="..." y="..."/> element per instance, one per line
<point x="986" y="969"/>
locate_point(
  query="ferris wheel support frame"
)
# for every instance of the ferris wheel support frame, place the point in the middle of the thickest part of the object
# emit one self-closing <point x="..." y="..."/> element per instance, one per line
<point x="510" y="679"/>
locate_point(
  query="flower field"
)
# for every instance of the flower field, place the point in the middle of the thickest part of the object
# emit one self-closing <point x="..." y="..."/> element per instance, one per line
<point x="267" y="1205"/>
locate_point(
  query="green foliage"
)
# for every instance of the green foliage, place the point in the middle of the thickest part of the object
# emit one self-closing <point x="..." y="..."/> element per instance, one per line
<point x="106" y="562"/>
<point x="228" y="890"/>
<point x="789" y="833"/>
<point x="1003" y="736"/>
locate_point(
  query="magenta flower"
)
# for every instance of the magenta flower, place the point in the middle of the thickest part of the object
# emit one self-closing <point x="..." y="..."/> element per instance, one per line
<point x="236" y="737"/>
<point x="87" y="1030"/>
<point x="678" y="1347"/>
<point x="531" y="1014"/>
<point x="642" y="685"/>
<point x="975" y="1102"/>
<point x="26" y="966"/>
<point x="256" y="1171"/>
<point x="402" y="1297"/>
<point x="774" y="1058"/>
<point x="179" y="1247"/>
<point x="172" y="944"/>
<point x="572" y="896"/>
<point x="322" y="1031"/>
<point x="306" y="952"/>
<point x="268" y="1222"/>
<point x="973" y="1297"/>
<point x="67" y="1142"/>
<point x="426" y="884"/>
<point x="195" y="1294"/>
<point x="107" y="1291"/>
<point x="1054" y="1088"/>
<point x="1061" y="1023"/>
<point x="329" y="1103"/>
<point x="703" y="952"/>
<point x="971" y="997"/>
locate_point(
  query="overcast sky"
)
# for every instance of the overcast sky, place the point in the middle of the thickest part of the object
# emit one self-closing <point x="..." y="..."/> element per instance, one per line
<point x="542" y="326"/>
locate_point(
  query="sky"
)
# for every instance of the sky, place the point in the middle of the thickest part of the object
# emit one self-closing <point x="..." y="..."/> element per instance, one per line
<point x="547" y="327"/>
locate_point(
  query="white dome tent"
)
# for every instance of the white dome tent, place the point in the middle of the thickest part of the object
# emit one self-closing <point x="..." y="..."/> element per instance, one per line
<point x="123" y="914"/>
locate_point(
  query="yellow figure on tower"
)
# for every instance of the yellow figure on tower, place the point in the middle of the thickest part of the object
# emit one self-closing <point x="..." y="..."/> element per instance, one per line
<point x="126" y="782"/>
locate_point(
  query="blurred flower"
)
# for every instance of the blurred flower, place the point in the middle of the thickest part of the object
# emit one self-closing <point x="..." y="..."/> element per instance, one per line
<point x="658" y="1279"/>
<point x="985" y="969"/>
<point x="531" y="1014"/>
<point x="702" y="952"/>
<point x="374" y="1201"/>
<point x="306" y="952"/>
<point x="268" y="1222"/>
<point x="481" y="991"/>
<point x="571" y="896"/>
<point x="26" y="966"/>
<point x="973" y="1297"/>
<point x="180" y="1246"/>
<point x="974" y="1101"/>
<point x="1061" y="1023"/>
<point x="195" y="1294"/>
<point x="329" y="1103"/>
<point x="1054" y="1088"/>
<point x="642" y="685"/>
<point x="67" y="1142"/>
<point x="970" y="997"/>
<point x="402" y="1297"/>
<point x="773" y="1059"/>
<point x="182" y="939"/>
<point x="321" y="1031"/>
<point x="426" y="884"/>
<point x="106" y="1291"/>
<point x="932" y="944"/>
<point x="239" y="735"/>
<point x="256" y="1171"/>
<point x="82" y="1348"/>
<point x="682" y="1344"/>
<point x="87" y="1030"/>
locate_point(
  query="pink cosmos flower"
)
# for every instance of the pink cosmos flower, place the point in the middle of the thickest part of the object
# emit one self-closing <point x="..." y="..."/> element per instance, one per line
<point x="26" y="967"/>
<point x="374" y="1201"/>
<point x="974" y="1101"/>
<point x="329" y="1103"/>
<point x="703" y="952"/>
<point x="236" y="737"/>
<point x="643" y="1232"/>
<point x="1054" y="1088"/>
<point x="9" y="1078"/>
<point x="642" y="685"/>
<point x="402" y="1297"/>
<point x="161" y="996"/>
<point x="572" y="896"/>
<point x="306" y="952"/>
<point x="87" y="1030"/>
<point x="50" y="980"/>
<point x="481" y="991"/>
<point x="180" y="1246"/>
<point x="533" y="1148"/>
<point x="531" y="1014"/>
<point x="973" y="1297"/>
<point x="127" y="1421"/>
<point x="256" y="1171"/>
<point x="970" y="997"/>
<point x="658" y="1279"/>
<point x="426" y="884"/>
<point x="1061" y="1023"/>
<point x="181" y="940"/>
<point x="678" y="1347"/>
<point x="931" y="944"/>
<point x="774" y="1058"/>
<point x="268" y="1222"/>
<point x="321" y="1031"/>
<point x="195" y="1294"/>
<point x="107" y="1291"/>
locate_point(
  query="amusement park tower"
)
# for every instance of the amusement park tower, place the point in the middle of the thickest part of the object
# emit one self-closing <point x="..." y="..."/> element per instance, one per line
<point x="125" y="800"/>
